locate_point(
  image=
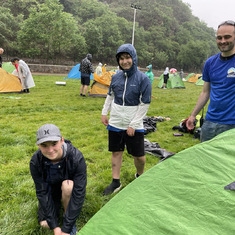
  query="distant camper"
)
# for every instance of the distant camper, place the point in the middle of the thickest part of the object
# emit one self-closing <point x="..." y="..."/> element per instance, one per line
<point x="24" y="74"/>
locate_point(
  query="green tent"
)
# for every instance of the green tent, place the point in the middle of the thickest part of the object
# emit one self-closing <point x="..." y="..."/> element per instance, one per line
<point x="182" y="195"/>
<point x="189" y="76"/>
<point x="8" y="66"/>
<point x="199" y="82"/>
<point x="174" y="81"/>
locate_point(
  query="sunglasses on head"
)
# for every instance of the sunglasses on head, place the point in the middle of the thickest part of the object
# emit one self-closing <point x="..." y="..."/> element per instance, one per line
<point x="227" y="22"/>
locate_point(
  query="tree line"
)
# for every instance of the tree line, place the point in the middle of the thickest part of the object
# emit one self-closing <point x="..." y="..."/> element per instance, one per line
<point x="166" y="32"/>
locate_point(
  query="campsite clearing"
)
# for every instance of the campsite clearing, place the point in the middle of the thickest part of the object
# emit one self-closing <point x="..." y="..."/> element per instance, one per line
<point x="79" y="121"/>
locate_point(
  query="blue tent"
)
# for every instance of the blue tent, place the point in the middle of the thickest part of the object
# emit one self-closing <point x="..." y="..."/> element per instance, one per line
<point x="75" y="73"/>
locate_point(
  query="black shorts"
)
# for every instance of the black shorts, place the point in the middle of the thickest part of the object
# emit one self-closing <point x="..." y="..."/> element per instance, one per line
<point x="166" y="76"/>
<point x="85" y="79"/>
<point x="134" y="144"/>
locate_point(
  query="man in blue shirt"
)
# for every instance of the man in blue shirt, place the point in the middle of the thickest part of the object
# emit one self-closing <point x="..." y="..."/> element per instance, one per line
<point x="219" y="86"/>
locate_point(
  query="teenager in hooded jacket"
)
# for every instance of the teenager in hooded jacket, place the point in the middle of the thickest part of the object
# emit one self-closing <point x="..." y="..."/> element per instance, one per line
<point x="128" y="101"/>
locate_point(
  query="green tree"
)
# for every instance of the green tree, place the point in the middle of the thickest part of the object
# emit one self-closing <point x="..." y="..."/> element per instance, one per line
<point x="85" y="10"/>
<point x="161" y="59"/>
<point x="192" y="55"/>
<point x="50" y="33"/>
<point x="109" y="35"/>
<point x="94" y="38"/>
<point x="8" y="28"/>
<point x="163" y="29"/>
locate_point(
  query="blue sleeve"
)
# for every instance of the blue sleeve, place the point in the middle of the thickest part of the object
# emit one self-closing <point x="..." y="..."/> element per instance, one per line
<point x="146" y="90"/>
<point x="205" y="74"/>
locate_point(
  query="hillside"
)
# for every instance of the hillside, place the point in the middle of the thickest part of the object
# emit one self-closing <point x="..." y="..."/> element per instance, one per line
<point x="166" y="33"/>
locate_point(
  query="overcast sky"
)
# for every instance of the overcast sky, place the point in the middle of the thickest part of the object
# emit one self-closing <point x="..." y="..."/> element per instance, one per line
<point x="213" y="12"/>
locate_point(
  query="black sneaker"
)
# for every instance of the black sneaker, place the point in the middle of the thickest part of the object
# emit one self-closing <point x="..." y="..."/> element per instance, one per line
<point x="136" y="175"/>
<point x="112" y="188"/>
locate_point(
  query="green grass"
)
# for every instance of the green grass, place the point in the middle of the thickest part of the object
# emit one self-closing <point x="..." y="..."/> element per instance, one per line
<point x="79" y="120"/>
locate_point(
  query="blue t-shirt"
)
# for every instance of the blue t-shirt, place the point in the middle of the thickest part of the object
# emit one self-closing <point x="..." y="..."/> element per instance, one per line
<point x="221" y="75"/>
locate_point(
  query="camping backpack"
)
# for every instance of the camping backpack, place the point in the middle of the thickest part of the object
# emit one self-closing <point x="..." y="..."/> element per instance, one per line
<point x="183" y="128"/>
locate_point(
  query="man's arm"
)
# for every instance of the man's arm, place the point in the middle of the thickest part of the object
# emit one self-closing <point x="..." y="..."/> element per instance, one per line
<point x="202" y="100"/>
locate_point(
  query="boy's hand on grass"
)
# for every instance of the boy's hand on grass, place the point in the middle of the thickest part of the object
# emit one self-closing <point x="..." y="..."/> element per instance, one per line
<point x="57" y="231"/>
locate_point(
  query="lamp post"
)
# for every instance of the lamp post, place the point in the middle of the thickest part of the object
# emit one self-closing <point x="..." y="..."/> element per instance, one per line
<point x="135" y="7"/>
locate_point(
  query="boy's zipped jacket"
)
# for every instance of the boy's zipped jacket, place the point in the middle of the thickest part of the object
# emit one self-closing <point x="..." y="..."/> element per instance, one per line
<point x="129" y="94"/>
<point x="71" y="167"/>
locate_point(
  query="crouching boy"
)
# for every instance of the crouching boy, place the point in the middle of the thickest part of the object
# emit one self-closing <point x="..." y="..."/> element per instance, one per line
<point x="59" y="173"/>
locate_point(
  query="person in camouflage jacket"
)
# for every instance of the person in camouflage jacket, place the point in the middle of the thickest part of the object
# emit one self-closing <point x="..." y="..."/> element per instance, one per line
<point x="86" y="69"/>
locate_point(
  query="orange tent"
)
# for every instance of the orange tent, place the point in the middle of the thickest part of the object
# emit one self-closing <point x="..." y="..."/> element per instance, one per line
<point x="9" y="82"/>
<point x="101" y="84"/>
<point x="194" y="78"/>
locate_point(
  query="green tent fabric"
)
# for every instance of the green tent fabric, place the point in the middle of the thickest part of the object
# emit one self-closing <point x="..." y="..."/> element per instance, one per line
<point x="174" y="81"/>
<point x="189" y="76"/>
<point x="199" y="82"/>
<point x="8" y="66"/>
<point x="182" y="195"/>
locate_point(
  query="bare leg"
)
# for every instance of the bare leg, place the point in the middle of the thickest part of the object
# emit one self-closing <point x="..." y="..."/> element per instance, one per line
<point x="81" y="89"/>
<point x="139" y="164"/>
<point x="85" y="89"/>
<point x="67" y="188"/>
<point x="116" y="164"/>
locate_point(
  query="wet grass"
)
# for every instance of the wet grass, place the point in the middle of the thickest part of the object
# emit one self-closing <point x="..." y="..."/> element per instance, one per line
<point x="79" y="120"/>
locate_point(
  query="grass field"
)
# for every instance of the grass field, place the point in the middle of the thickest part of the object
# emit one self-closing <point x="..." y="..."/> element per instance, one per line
<point x="79" y="120"/>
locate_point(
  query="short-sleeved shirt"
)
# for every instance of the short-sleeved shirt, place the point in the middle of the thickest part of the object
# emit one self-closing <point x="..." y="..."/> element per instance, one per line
<point x="220" y="72"/>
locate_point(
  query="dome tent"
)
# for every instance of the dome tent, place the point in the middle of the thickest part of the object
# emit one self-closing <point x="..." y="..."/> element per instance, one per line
<point x="199" y="82"/>
<point x="9" y="82"/>
<point x="174" y="81"/>
<point x="100" y="85"/>
<point x="182" y="195"/>
<point x="75" y="73"/>
<point x="194" y="78"/>
<point x="8" y="66"/>
<point x="189" y="76"/>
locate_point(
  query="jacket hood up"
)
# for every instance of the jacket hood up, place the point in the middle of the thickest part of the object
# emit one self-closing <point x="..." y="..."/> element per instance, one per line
<point x="166" y="70"/>
<point x="128" y="48"/>
<point x="89" y="57"/>
<point x="150" y="68"/>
